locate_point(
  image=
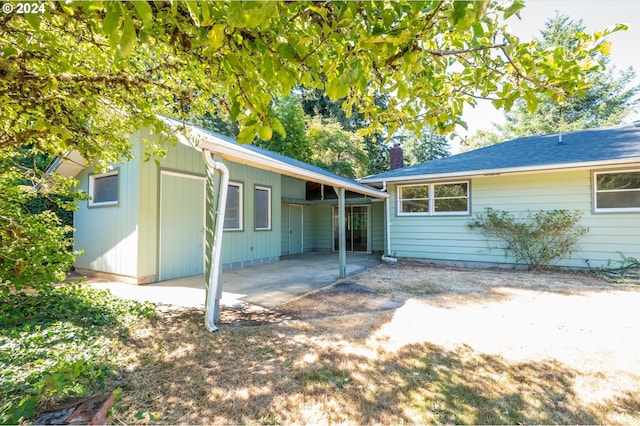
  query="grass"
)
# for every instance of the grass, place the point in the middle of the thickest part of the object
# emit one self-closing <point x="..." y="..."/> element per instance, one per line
<point x="326" y="365"/>
<point x="339" y="368"/>
<point x="54" y="346"/>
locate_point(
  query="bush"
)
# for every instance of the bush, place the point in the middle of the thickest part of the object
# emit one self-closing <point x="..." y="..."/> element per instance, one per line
<point x="36" y="245"/>
<point x="54" y="346"/>
<point x="538" y="239"/>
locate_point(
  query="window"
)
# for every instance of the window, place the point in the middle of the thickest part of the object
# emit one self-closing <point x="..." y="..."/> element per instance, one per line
<point x="262" y="205"/>
<point x="617" y="191"/>
<point x="233" y="210"/>
<point x="434" y="199"/>
<point x="103" y="189"/>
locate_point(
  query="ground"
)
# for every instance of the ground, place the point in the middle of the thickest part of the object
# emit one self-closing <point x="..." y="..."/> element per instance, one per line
<point x="399" y="343"/>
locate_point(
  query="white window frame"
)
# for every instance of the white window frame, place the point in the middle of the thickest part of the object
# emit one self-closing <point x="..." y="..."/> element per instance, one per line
<point x="240" y="187"/>
<point x="432" y="199"/>
<point x="92" y="179"/>
<point x="255" y="211"/>
<point x="597" y="209"/>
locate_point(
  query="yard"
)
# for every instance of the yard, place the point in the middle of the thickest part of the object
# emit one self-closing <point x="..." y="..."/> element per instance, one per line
<point x="408" y="343"/>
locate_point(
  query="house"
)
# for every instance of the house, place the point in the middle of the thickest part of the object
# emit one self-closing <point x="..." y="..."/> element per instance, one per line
<point x="148" y="222"/>
<point x="596" y="172"/>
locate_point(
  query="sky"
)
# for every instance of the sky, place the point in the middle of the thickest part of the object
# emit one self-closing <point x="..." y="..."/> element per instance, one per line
<point x="596" y="15"/>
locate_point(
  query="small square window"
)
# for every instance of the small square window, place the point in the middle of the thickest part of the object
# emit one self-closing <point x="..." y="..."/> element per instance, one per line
<point x="103" y="189"/>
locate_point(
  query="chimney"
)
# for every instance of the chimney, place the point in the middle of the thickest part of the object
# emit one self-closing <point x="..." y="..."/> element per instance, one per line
<point x="396" y="158"/>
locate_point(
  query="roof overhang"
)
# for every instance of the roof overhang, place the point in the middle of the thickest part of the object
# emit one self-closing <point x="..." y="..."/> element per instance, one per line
<point x="237" y="153"/>
<point x="494" y="172"/>
<point x="68" y="165"/>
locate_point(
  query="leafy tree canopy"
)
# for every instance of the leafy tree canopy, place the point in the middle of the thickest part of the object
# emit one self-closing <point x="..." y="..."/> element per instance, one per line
<point x="83" y="74"/>
<point x="608" y="99"/>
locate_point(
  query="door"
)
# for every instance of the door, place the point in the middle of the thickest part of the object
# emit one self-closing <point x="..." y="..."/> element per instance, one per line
<point x="182" y="209"/>
<point x="357" y="223"/>
<point x="295" y="229"/>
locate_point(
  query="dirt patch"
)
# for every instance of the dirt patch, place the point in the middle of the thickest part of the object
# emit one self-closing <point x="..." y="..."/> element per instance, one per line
<point x="343" y="298"/>
<point x="410" y="343"/>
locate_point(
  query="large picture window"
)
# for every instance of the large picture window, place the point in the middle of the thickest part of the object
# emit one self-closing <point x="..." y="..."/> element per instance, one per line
<point x="262" y="205"/>
<point x="434" y="199"/>
<point x="617" y="191"/>
<point x="233" y="210"/>
<point x="104" y="189"/>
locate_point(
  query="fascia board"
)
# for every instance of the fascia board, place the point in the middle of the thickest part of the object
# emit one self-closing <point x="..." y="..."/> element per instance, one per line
<point x="513" y="170"/>
<point x="236" y="153"/>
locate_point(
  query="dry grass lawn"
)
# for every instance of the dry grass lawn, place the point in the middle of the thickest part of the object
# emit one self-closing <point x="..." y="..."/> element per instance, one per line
<point x="410" y="343"/>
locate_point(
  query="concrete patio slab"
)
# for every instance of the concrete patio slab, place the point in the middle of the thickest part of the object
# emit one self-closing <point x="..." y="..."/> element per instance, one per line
<point x="268" y="285"/>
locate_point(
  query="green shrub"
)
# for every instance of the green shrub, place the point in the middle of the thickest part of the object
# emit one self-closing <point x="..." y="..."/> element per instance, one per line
<point x="538" y="239"/>
<point x="54" y="345"/>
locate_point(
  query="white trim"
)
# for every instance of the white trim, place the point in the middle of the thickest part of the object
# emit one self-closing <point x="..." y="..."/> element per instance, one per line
<point x="597" y="209"/>
<point x="431" y="211"/>
<point x="92" y="178"/>
<point x="269" y="224"/>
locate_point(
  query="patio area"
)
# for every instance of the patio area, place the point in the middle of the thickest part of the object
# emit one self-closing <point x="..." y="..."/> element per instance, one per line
<point x="268" y="285"/>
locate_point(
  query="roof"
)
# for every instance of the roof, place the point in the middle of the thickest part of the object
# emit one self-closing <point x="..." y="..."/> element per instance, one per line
<point x="584" y="148"/>
<point x="264" y="159"/>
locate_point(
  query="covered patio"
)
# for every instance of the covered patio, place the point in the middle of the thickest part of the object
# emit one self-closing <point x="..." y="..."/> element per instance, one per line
<point x="267" y="286"/>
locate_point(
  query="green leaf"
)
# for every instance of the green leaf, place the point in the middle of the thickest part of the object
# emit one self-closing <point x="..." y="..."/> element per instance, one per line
<point x="216" y="36"/>
<point x="459" y="11"/>
<point x="144" y="12"/>
<point x="336" y="89"/>
<point x="128" y="39"/>
<point x="514" y="9"/>
<point x="286" y="51"/>
<point x="112" y="20"/>
<point x="247" y="134"/>
<point x="277" y="126"/>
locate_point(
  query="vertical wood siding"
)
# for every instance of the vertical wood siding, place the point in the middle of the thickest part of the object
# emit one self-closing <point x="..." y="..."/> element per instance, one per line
<point x="377" y="226"/>
<point x="250" y="245"/>
<point x="448" y="237"/>
<point x="108" y="236"/>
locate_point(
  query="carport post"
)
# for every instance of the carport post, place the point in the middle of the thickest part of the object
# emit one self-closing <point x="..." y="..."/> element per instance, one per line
<point x="342" y="233"/>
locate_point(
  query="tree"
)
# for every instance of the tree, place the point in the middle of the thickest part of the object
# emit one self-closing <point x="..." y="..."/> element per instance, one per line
<point x="336" y="149"/>
<point x="430" y="145"/>
<point x="607" y="101"/>
<point x="294" y="142"/>
<point x="84" y="75"/>
<point x="316" y="103"/>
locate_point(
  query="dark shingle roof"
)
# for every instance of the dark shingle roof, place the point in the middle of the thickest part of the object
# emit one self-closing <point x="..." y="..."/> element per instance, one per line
<point x="613" y="144"/>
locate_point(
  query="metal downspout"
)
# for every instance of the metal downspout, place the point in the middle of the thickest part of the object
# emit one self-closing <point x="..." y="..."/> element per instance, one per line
<point x="387" y="219"/>
<point x="215" y="274"/>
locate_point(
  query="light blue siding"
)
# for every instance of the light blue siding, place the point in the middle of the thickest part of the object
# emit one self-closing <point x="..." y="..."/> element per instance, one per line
<point x="108" y="236"/>
<point x="250" y="246"/>
<point x="448" y="238"/>
<point x="181" y="225"/>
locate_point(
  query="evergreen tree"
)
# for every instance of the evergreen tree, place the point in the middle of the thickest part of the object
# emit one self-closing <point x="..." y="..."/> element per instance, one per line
<point x="429" y="146"/>
<point x="609" y="99"/>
